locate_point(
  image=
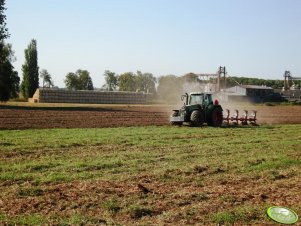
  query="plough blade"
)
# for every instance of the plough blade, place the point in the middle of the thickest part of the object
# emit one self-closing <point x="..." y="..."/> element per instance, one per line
<point x="244" y="119"/>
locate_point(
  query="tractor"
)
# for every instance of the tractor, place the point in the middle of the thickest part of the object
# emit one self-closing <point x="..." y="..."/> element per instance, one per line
<point x="199" y="108"/>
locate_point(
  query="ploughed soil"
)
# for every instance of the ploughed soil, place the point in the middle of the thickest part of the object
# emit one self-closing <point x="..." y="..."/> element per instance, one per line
<point x="26" y="116"/>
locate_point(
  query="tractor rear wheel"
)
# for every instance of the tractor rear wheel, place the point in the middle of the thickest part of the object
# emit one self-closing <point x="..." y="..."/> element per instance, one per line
<point x="217" y="117"/>
<point x="196" y="118"/>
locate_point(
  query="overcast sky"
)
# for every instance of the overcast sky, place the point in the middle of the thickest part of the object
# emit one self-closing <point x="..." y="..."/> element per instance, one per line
<point x="252" y="38"/>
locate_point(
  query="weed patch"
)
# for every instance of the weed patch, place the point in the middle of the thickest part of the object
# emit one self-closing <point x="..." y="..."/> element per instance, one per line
<point x="111" y="205"/>
<point x="137" y="211"/>
<point x="30" y="192"/>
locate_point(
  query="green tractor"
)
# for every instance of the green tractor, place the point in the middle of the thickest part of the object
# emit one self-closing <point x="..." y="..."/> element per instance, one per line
<point x="198" y="109"/>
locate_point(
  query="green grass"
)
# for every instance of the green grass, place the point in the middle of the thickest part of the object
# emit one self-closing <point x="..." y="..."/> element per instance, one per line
<point x="111" y="205"/>
<point x="186" y="165"/>
<point x="34" y="219"/>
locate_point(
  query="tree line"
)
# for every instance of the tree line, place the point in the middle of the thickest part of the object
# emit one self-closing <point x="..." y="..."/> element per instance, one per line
<point x="129" y="81"/>
<point x="275" y="84"/>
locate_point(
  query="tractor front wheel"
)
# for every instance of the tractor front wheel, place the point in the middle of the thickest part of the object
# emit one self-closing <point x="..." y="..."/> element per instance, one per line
<point x="217" y="117"/>
<point x="196" y="118"/>
<point x="175" y="114"/>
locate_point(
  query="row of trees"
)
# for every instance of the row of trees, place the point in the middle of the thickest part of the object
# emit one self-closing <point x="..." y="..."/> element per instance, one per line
<point x="275" y="84"/>
<point x="129" y="81"/>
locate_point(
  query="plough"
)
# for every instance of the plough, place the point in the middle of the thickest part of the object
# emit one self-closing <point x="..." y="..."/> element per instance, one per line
<point x="244" y="119"/>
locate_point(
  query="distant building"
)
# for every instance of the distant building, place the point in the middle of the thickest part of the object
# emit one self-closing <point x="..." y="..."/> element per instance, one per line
<point x="251" y="90"/>
<point x="247" y="93"/>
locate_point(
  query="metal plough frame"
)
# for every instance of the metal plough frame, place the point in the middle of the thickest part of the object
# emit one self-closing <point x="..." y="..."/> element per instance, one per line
<point x="245" y="119"/>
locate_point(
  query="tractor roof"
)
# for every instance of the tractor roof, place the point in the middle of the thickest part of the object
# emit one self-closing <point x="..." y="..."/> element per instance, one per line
<point x="198" y="93"/>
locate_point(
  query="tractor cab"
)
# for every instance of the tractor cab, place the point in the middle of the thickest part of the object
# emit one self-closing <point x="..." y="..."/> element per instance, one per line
<point x="203" y="99"/>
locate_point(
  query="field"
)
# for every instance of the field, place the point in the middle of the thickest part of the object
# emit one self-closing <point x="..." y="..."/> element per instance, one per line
<point x="26" y="116"/>
<point x="150" y="174"/>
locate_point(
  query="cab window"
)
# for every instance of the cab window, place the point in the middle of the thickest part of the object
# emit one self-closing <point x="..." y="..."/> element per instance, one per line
<point x="196" y="99"/>
<point x="207" y="99"/>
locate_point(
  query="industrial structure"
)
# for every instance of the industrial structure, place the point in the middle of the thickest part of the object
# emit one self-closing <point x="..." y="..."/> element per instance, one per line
<point x="216" y="81"/>
<point x="289" y="81"/>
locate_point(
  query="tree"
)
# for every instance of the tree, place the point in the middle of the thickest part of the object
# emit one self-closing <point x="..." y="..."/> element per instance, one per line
<point x="90" y="84"/>
<point x="80" y="80"/>
<point x="3" y="30"/>
<point x="127" y="82"/>
<point x="47" y="80"/>
<point x="71" y="81"/>
<point x="30" y="70"/>
<point x="85" y="81"/>
<point x="111" y="80"/>
<point x="145" y="82"/>
<point x="9" y="79"/>
<point x="15" y="85"/>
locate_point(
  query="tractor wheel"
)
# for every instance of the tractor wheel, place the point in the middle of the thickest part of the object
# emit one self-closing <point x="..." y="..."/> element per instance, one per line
<point x="175" y="114"/>
<point x="196" y="118"/>
<point x="217" y="117"/>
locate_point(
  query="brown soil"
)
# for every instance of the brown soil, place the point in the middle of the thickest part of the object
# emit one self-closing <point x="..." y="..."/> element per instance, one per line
<point x="26" y="117"/>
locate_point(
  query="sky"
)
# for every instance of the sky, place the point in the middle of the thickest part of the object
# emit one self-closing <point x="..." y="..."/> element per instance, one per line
<point x="258" y="38"/>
